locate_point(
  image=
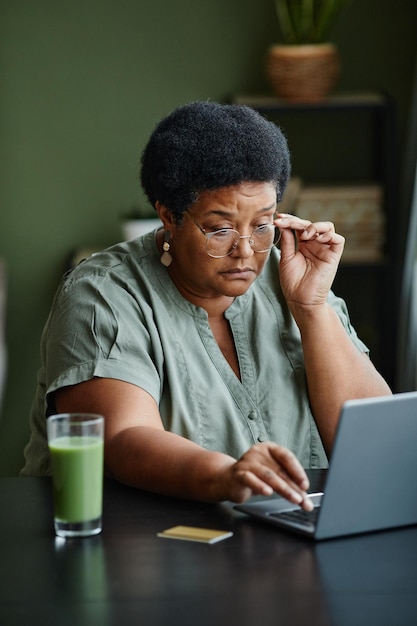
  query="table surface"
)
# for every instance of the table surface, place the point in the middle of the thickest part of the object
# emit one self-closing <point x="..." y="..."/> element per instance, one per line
<point x="129" y="575"/>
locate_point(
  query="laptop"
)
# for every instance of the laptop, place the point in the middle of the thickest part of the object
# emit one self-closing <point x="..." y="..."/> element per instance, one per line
<point x="371" y="483"/>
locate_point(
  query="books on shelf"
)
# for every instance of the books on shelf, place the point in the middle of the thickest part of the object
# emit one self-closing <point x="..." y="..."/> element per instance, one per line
<point x="355" y="210"/>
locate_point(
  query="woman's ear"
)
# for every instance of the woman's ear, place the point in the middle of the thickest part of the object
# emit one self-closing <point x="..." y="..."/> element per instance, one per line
<point x="164" y="215"/>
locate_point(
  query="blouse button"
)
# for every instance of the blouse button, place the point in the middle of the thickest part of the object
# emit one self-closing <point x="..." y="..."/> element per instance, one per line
<point x="252" y="415"/>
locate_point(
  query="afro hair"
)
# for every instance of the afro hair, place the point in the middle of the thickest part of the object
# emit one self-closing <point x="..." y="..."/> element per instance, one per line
<point x="204" y="146"/>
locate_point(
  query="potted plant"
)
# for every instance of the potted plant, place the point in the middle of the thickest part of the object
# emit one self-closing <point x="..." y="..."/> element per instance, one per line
<point x="305" y="66"/>
<point x="138" y="221"/>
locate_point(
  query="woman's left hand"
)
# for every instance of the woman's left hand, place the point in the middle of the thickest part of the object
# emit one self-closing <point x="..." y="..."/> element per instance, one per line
<point x="310" y="255"/>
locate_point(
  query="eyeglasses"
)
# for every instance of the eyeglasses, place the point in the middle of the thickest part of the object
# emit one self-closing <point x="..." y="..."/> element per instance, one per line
<point x="221" y="243"/>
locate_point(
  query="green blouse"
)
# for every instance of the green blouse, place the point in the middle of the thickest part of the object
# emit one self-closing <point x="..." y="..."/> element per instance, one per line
<point x="118" y="315"/>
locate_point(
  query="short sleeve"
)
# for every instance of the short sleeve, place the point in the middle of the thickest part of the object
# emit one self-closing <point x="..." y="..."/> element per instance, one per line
<point x="98" y="329"/>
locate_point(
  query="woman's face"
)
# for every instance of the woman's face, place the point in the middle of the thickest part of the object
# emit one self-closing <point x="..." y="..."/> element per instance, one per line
<point x="199" y="276"/>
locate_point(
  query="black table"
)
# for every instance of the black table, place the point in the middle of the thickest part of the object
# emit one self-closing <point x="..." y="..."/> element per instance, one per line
<point x="128" y="575"/>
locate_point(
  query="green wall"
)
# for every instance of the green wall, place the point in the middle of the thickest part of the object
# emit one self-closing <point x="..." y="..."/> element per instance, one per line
<point x="82" y="85"/>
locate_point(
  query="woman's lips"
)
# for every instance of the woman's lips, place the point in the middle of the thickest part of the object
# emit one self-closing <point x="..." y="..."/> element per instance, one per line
<point x="239" y="272"/>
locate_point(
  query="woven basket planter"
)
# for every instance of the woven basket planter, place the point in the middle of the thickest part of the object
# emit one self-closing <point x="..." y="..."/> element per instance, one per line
<point x="306" y="73"/>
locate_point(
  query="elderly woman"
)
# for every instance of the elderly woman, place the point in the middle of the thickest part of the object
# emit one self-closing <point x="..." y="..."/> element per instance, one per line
<point x="219" y="362"/>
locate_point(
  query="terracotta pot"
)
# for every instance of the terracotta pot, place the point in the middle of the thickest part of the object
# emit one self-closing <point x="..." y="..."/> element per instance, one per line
<point x="306" y="73"/>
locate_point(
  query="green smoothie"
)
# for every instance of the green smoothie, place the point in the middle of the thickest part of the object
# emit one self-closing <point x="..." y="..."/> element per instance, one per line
<point x="77" y="468"/>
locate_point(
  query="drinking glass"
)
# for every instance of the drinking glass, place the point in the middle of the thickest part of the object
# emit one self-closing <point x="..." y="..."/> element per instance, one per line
<point x="76" y="445"/>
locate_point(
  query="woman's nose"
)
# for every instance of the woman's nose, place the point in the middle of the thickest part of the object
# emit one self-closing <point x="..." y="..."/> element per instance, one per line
<point x="243" y="247"/>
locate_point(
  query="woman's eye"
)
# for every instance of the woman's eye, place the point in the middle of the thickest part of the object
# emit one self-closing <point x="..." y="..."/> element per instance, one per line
<point x="222" y="233"/>
<point x="219" y="229"/>
<point x="263" y="227"/>
<point x="226" y="230"/>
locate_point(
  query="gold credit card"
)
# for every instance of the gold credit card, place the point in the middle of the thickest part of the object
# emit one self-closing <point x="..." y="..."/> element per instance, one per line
<point x="192" y="533"/>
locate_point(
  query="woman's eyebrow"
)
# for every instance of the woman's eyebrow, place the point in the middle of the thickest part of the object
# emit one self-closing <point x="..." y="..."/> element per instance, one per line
<point x="226" y="213"/>
<point x="272" y="206"/>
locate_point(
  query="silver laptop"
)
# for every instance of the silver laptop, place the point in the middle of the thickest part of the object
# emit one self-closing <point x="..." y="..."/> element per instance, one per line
<point x="371" y="483"/>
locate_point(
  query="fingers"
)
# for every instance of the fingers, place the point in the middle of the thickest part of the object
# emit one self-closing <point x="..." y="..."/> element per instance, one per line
<point x="323" y="232"/>
<point x="266" y="483"/>
<point x="268" y="468"/>
<point x="290" y="479"/>
<point x="290" y="468"/>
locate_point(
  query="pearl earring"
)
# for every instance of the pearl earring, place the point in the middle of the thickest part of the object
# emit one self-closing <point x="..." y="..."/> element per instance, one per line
<point x="166" y="258"/>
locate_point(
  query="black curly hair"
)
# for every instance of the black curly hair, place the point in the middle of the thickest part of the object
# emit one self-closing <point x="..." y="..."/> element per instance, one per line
<point x="204" y="146"/>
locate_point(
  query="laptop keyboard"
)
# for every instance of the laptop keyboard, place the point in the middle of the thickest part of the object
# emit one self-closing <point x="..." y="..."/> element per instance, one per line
<point x="299" y="515"/>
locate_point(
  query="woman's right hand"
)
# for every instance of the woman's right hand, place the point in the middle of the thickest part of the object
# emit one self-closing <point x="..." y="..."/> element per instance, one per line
<point x="139" y="452"/>
<point x="264" y="469"/>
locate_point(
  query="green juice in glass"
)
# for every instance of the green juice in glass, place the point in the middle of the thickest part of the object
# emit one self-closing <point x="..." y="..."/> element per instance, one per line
<point x="77" y="468"/>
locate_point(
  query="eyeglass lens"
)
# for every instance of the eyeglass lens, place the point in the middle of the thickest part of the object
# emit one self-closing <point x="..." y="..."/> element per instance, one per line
<point x="223" y="242"/>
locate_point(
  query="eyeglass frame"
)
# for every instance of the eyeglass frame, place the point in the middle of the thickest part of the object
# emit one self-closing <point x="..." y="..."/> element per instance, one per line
<point x="215" y="232"/>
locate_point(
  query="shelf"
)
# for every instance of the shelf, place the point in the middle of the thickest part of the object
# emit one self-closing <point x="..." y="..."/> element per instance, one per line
<point x="358" y="100"/>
